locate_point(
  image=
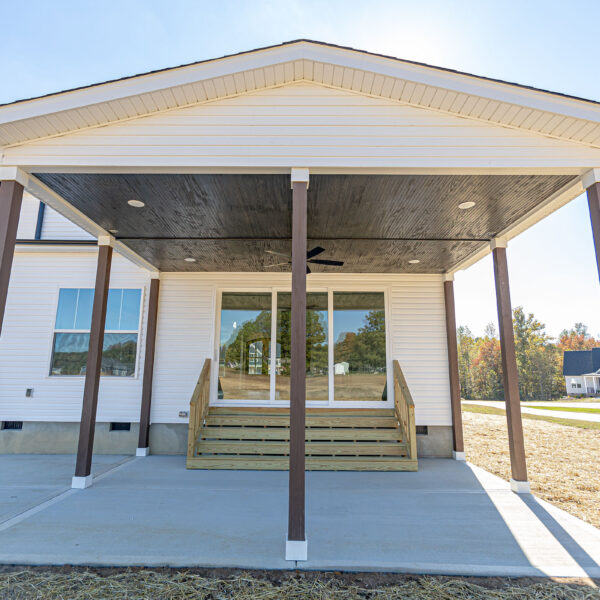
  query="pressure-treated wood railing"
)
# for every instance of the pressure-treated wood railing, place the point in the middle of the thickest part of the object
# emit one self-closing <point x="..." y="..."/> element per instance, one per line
<point x="405" y="411"/>
<point x="198" y="407"/>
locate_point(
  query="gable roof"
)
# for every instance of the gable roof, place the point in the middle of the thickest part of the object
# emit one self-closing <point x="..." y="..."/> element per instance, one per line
<point x="581" y="362"/>
<point x="509" y="104"/>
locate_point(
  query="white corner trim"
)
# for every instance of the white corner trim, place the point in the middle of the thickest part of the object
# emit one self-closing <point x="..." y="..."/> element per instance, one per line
<point x="590" y="178"/>
<point x="448" y="277"/>
<point x="458" y="455"/>
<point x="14" y="174"/>
<point x="299" y="176"/>
<point x="296" y="550"/>
<point x="520" y="487"/>
<point x="106" y="240"/>
<point x="80" y="483"/>
<point x="501" y="242"/>
<point x="142" y="451"/>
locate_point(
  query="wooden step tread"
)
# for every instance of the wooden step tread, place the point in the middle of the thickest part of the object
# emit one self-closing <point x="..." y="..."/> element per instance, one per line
<point x="323" y="448"/>
<point x="337" y="463"/>
<point x="311" y="434"/>
<point x="237" y="420"/>
<point x="282" y="410"/>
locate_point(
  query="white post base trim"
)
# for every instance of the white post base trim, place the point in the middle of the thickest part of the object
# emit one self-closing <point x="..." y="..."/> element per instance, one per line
<point x="80" y="483"/>
<point x="458" y="455"/>
<point x="520" y="487"/>
<point x="142" y="451"/>
<point x="296" y="550"/>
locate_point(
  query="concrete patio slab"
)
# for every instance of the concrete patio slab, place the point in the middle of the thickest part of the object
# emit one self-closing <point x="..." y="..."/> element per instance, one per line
<point x="449" y="517"/>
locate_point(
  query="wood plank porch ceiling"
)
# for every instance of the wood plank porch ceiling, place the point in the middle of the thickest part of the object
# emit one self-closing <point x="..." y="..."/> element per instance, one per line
<point x="375" y="223"/>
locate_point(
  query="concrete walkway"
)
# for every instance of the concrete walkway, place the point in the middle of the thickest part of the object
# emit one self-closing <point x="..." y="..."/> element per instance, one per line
<point x="528" y="409"/>
<point x="449" y="518"/>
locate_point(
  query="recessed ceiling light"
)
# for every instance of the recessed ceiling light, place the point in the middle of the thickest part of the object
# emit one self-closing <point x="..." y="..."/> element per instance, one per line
<point x="189" y="259"/>
<point x="465" y="205"/>
<point x="414" y="261"/>
<point x="136" y="203"/>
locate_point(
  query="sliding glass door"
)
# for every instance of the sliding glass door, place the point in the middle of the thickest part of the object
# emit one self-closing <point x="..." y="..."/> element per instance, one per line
<point x="346" y="357"/>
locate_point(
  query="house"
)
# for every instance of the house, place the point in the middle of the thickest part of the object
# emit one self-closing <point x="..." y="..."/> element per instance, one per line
<point x="154" y="227"/>
<point x="581" y="369"/>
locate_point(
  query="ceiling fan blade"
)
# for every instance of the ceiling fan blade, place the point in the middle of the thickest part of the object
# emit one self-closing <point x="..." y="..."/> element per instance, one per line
<point x="278" y="253"/>
<point x="315" y="251"/>
<point x="333" y="263"/>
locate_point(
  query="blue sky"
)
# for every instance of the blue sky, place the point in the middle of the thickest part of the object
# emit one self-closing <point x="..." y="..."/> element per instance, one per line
<point x="50" y="46"/>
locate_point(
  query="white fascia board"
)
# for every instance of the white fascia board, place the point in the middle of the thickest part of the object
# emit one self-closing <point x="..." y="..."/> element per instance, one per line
<point x="553" y="203"/>
<point x="42" y="192"/>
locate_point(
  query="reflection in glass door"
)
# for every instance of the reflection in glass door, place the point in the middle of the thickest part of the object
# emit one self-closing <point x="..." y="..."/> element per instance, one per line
<point x="359" y="354"/>
<point x="317" y="372"/>
<point x="245" y="346"/>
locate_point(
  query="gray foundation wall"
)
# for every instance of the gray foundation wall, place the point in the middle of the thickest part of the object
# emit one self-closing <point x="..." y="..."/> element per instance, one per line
<point x="165" y="438"/>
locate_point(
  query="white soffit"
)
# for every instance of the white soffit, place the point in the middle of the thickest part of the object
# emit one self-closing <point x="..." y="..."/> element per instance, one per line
<point x="457" y="93"/>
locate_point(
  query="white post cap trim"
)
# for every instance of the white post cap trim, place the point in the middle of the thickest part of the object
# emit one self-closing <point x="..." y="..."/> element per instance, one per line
<point x="142" y="451"/>
<point x="155" y="275"/>
<point x="498" y="243"/>
<point x="296" y="550"/>
<point x="590" y="178"/>
<point x="448" y="277"/>
<point x="299" y="176"/>
<point x="520" y="487"/>
<point x="14" y="174"/>
<point x="106" y="240"/>
<point x="80" y="483"/>
<point x="458" y="455"/>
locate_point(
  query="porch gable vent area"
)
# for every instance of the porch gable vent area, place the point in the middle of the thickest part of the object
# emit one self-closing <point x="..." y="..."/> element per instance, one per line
<point x="12" y="425"/>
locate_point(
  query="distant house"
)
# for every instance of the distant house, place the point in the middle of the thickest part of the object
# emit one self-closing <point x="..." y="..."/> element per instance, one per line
<point x="581" y="369"/>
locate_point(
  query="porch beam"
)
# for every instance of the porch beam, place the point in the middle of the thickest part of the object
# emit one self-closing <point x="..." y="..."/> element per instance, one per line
<point x="516" y="443"/>
<point x="458" y="451"/>
<point x="143" y="442"/>
<point x="296" y="544"/>
<point x="11" y="196"/>
<point x="83" y="477"/>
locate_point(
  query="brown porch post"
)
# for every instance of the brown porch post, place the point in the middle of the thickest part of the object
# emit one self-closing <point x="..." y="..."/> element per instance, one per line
<point x="83" y="477"/>
<point x="591" y="181"/>
<point x="11" y="195"/>
<point x="143" y="443"/>
<point x="458" y="451"/>
<point x="296" y="545"/>
<point x="516" y="442"/>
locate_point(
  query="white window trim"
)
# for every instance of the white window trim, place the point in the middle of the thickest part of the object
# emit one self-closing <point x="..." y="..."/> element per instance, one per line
<point x="54" y="330"/>
<point x="331" y="402"/>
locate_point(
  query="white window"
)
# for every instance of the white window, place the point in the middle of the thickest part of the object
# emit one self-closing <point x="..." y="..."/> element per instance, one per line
<point x="72" y="332"/>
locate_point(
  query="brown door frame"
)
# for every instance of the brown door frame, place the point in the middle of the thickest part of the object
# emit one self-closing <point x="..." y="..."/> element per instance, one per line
<point x="516" y="442"/>
<point x="83" y="468"/>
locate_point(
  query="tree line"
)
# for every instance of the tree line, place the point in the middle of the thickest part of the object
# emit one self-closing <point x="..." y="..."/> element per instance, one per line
<point x="539" y="359"/>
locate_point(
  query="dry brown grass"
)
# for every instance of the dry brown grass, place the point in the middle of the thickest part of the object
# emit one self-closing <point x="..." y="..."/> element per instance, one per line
<point x="562" y="461"/>
<point x="158" y="584"/>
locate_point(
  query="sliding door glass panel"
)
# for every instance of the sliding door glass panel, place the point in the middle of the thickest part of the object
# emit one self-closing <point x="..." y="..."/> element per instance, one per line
<point x="316" y="347"/>
<point x="245" y="346"/>
<point x="359" y="354"/>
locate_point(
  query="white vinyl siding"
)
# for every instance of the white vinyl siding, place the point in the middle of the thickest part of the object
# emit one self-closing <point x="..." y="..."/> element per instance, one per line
<point x="27" y="335"/>
<point x="57" y="227"/>
<point x="309" y="125"/>
<point x="28" y="216"/>
<point x="186" y="330"/>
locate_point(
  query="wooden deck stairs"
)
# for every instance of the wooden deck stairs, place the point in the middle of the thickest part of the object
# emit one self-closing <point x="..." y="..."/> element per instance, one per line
<point x="336" y="439"/>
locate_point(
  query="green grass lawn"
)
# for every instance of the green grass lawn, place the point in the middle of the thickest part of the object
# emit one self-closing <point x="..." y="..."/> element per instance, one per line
<point x="576" y="409"/>
<point x="490" y="410"/>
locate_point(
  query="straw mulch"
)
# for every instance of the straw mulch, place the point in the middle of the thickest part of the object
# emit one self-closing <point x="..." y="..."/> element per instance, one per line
<point x="562" y="461"/>
<point x="79" y="584"/>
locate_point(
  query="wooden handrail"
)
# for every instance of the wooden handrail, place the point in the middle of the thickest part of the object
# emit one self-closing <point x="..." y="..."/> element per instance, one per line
<point x="405" y="411"/>
<point x="198" y="407"/>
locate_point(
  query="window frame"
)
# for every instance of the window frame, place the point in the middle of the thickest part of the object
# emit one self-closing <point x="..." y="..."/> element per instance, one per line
<point x="54" y="331"/>
<point x="330" y="402"/>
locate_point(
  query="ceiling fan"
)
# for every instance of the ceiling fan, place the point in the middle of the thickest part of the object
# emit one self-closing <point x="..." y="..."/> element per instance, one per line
<point x="309" y="259"/>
